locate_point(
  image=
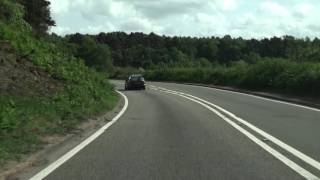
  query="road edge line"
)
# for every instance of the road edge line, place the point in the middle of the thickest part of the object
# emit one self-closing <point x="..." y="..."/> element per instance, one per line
<point x="53" y="166"/>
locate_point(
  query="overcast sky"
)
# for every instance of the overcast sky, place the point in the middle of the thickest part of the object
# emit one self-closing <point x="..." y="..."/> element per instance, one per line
<point x="246" y="18"/>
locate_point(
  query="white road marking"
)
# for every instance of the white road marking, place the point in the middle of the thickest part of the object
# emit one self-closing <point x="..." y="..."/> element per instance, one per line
<point x="303" y="172"/>
<point x="45" y="172"/>
<point x="273" y="139"/>
<point x="259" y="97"/>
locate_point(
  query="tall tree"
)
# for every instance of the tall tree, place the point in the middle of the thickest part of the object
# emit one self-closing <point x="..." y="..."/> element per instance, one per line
<point x="95" y="54"/>
<point x="37" y="14"/>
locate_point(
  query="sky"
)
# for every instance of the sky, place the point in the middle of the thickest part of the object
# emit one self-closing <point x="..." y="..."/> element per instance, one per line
<point x="197" y="18"/>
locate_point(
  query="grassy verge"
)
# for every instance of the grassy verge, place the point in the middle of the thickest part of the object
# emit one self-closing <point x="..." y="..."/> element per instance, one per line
<point x="25" y="119"/>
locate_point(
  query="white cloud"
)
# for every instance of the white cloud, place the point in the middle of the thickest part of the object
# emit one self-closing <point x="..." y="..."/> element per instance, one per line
<point x="60" y="6"/>
<point x="274" y="8"/>
<point x="302" y="10"/>
<point x="250" y="18"/>
<point x="211" y="24"/>
<point x="139" y="24"/>
<point x="228" y="5"/>
<point x="120" y="9"/>
<point x="61" y="30"/>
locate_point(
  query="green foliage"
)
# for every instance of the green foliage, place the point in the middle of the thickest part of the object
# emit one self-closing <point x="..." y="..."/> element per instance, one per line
<point x="125" y="72"/>
<point x="24" y="119"/>
<point x="11" y="12"/>
<point x="37" y="14"/>
<point x="149" y="50"/>
<point x="95" y="55"/>
<point x="266" y="74"/>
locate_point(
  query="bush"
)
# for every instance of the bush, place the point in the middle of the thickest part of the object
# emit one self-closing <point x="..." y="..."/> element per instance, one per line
<point x="125" y="72"/>
<point x="266" y="74"/>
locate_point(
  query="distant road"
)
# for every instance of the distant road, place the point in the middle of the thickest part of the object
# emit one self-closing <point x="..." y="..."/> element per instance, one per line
<point x="174" y="131"/>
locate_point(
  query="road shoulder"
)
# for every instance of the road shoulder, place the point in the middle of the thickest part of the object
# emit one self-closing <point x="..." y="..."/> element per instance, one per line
<point x="56" y="146"/>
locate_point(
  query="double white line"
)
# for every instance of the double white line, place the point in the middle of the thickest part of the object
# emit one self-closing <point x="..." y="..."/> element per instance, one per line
<point x="222" y="113"/>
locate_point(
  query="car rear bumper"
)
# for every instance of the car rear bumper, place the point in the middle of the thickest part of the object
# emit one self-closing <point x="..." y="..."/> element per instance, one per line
<point x="136" y="85"/>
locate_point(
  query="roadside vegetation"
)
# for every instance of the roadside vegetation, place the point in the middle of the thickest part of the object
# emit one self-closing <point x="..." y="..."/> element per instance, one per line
<point x="278" y="64"/>
<point x="44" y="88"/>
<point x="273" y="75"/>
<point x="51" y="83"/>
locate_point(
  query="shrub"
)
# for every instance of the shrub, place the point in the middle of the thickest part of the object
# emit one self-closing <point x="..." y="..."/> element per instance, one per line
<point x="266" y="74"/>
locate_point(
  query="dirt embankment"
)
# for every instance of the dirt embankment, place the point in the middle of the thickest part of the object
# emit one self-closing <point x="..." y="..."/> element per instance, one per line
<point x="20" y="77"/>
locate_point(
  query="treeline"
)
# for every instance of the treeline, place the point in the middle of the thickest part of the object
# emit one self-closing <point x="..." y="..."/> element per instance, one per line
<point x="149" y="50"/>
<point x="283" y="64"/>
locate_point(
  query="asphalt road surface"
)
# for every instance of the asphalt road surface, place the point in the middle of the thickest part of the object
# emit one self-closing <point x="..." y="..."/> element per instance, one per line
<point x="166" y="135"/>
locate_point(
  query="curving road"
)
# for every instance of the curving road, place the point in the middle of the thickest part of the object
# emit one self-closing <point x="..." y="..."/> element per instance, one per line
<point x="174" y="131"/>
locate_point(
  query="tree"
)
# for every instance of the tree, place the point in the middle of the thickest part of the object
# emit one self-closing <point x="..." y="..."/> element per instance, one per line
<point x="230" y="49"/>
<point x="37" y="14"/>
<point x="95" y="55"/>
<point x="178" y="57"/>
<point x="204" y="62"/>
<point x="208" y="50"/>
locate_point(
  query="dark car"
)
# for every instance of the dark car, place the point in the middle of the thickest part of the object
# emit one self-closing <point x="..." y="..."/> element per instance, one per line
<point x="135" y="82"/>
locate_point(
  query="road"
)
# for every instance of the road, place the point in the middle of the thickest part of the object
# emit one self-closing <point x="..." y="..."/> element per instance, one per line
<point x="168" y="135"/>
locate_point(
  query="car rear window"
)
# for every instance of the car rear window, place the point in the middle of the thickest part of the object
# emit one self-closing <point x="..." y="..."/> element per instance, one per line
<point x="135" y="78"/>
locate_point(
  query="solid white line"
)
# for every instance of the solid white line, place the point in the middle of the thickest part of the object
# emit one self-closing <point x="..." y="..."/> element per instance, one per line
<point x="273" y="139"/>
<point x="45" y="172"/>
<point x="259" y="97"/>
<point x="303" y="172"/>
